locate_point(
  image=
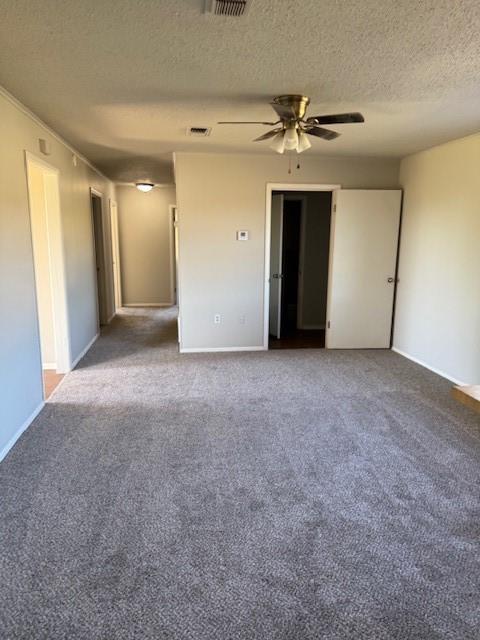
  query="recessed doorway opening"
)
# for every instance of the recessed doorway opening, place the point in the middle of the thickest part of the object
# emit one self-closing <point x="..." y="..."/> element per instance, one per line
<point x="100" y="257"/>
<point x="360" y="277"/>
<point x="299" y="262"/>
<point x="49" y="269"/>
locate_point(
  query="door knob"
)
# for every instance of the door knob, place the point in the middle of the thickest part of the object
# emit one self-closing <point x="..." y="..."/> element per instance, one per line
<point x="277" y="275"/>
<point x="390" y="279"/>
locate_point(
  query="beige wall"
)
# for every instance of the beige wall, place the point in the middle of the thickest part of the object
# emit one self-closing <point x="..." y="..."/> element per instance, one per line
<point x="437" y="317"/>
<point x="220" y="194"/>
<point x="145" y="244"/>
<point x="20" y="368"/>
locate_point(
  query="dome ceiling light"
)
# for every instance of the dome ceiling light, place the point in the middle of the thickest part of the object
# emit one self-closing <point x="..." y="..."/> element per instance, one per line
<point x="144" y="186"/>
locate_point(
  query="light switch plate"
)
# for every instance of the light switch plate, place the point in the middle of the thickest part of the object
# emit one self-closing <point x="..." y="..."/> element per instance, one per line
<point x="242" y="235"/>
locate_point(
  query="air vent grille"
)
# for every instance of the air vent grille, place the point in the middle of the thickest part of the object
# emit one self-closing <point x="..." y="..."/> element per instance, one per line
<point x="232" y="8"/>
<point x="199" y="131"/>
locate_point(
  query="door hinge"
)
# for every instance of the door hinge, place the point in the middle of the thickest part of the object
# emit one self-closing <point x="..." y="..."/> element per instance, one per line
<point x="328" y="324"/>
<point x="334" y="208"/>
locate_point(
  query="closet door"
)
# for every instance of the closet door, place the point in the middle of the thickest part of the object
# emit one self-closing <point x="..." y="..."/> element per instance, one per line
<point x="363" y="255"/>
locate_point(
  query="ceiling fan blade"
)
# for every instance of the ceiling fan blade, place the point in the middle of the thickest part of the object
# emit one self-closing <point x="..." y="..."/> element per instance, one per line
<point x="285" y="112"/>
<point x="319" y="132"/>
<point x="336" y="118"/>
<point x="267" y="135"/>
<point x="268" y="124"/>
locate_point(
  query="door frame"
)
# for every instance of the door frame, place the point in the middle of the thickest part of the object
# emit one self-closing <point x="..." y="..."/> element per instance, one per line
<point x="175" y="237"/>
<point x="172" y="215"/>
<point x="271" y="187"/>
<point x="117" y="275"/>
<point x="57" y="267"/>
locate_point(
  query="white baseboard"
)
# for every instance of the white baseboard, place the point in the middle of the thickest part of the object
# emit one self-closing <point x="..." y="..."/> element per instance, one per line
<point x="427" y="366"/>
<point x="19" y="432"/>
<point x="221" y="349"/>
<point x="49" y="365"/>
<point x="149" y="304"/>
<point x="82" y="353"/>
<point x="111" y="317"/>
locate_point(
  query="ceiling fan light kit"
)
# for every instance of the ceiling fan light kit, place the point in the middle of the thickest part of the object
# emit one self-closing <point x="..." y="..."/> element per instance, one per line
<point x="293" y="133"/>
<point x="303" y="142"/>
<point x="291" y="138"/>
<point x="278" y="143"/>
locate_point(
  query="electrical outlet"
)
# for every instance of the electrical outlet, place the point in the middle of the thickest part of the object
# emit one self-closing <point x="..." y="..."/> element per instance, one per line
<point x="216" y="318"/>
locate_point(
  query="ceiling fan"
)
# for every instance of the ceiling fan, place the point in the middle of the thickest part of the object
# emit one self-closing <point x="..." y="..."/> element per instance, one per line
<point x="294" y="129"/>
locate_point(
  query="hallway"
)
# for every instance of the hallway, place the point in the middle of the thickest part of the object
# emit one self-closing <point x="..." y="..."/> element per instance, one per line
<point x="290" y="494"/>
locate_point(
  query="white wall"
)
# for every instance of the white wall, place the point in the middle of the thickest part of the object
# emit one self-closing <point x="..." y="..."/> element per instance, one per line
<point x="220" y="194"/>
<point x="145" y="244"/>
<point x="437" y="318"/>
<point x="20" y="369"/>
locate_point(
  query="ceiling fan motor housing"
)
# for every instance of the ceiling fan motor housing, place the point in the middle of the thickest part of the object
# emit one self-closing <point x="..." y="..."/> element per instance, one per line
<point x="298" y="103"/>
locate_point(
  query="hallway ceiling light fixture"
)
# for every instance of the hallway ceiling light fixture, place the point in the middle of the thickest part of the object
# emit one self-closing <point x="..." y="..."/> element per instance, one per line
<point x="292" y="134"/>
<point x="144" y="186"/>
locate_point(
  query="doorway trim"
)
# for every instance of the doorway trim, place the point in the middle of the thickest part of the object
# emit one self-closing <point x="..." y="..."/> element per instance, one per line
<point x="116" y="265"/>
<point x="271" y="187"/>
<point x="172" y="215"/>
<point x="56" y="251"/>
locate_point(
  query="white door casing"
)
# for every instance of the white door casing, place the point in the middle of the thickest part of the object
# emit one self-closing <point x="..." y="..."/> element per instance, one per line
<point x="363" y="254"/>
<point x="51" y="181"/>
<point x="173" y="240"/>
<point x="116" y="255"/>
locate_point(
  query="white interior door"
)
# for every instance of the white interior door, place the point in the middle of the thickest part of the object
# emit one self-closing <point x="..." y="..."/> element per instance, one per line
<point x="276" y="240"/>
<point x="363" y="254"/>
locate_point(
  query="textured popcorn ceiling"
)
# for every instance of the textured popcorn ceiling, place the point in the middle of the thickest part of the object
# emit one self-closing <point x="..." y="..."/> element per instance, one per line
<point x="122" y="80"/>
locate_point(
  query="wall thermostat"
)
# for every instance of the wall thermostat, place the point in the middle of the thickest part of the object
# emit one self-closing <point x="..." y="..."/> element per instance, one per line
<point x="242" y="235"/>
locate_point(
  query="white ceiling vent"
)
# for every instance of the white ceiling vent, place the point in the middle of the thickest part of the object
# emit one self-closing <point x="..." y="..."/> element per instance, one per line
<point x="232" y="8"/>
<point x="199" y="132"/>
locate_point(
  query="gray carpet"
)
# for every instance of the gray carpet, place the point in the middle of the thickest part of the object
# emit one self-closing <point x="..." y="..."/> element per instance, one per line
<point x="289" y="495"/>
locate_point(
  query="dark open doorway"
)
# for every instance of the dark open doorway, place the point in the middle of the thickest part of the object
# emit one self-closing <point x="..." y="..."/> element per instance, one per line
<point x="100" y="263"/>
<point x="300" y="279"/>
